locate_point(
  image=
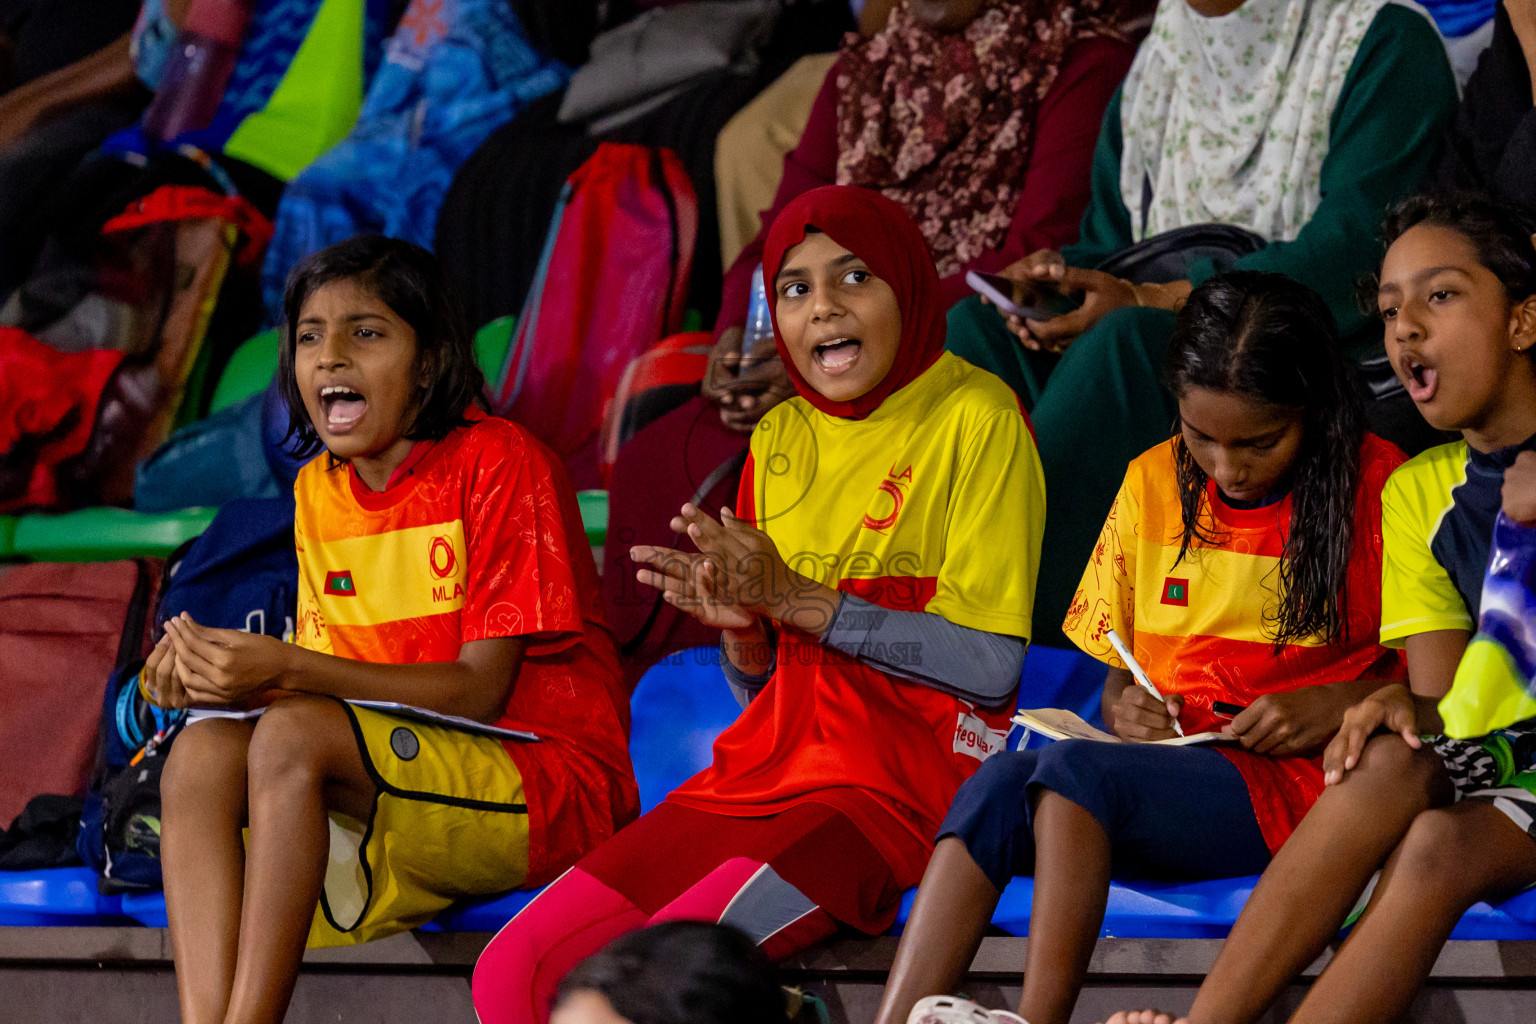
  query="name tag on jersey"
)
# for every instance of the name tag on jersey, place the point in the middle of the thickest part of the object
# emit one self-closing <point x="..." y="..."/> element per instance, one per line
<point x="977" y="739"/>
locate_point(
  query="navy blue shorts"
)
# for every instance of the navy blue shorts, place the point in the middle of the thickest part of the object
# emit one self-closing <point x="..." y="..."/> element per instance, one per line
<point x="1174" y="813"/>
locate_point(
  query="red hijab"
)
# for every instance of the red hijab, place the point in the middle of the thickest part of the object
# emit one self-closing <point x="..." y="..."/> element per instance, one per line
<point x="884" y="236"/>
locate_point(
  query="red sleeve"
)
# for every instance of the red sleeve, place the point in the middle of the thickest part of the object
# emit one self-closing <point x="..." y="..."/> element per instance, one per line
<point x="1056" y="179"/>
<point x="746" y="499"/>
<point x="521" y="581"/>
<point x="809" y="165"/>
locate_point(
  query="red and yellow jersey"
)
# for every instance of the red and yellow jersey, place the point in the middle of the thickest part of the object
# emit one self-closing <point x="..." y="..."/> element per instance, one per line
<point x="935" y="502"/>
<point x="479" y="536"/>
<point x="1198" y="626"/>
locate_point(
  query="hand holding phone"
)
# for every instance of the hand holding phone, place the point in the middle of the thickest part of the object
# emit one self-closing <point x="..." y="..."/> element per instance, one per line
<point x="1028" y="300"/>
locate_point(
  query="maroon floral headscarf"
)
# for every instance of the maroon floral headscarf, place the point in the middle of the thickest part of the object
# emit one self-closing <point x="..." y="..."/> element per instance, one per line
<point x="943" y="122"/>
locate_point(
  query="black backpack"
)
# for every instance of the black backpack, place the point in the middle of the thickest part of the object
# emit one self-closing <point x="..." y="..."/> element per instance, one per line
<point x="242" y="573"/>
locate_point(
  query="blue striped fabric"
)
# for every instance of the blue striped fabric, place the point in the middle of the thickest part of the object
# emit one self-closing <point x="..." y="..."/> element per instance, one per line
<point x="1459" y="17"/>
<point x="454" y="71"/>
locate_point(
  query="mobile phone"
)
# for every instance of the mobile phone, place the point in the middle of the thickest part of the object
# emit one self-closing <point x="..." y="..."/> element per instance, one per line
<point x="1029" y="300"/>
<point x="1224" y="709"/>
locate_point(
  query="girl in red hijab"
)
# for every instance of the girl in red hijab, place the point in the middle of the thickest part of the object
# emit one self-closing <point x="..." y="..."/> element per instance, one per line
<point x="873" y="588"/>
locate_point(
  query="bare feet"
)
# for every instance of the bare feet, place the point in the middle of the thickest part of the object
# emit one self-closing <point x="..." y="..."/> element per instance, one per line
<point x="1145" y="1017"/>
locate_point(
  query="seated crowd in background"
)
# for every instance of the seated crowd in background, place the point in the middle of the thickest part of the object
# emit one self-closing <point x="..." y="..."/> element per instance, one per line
<point x="1195" y="437"/>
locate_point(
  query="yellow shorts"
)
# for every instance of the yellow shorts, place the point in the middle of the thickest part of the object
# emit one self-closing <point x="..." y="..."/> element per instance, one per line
<point x="450" y="820"/>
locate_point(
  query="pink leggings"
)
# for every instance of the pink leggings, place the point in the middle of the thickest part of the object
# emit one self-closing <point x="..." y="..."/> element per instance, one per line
<point x="519" y="972"/>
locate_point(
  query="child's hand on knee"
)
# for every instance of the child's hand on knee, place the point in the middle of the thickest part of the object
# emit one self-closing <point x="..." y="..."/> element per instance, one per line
<point x="1519" y="494"/>
<point x="1390" y="707"/>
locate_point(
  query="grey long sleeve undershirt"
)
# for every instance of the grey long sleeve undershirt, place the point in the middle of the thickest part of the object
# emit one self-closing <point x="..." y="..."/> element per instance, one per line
<point x="917" y="646"/>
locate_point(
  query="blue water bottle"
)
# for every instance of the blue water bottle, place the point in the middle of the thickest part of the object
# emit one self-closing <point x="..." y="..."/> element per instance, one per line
<point x="759" y="322"/>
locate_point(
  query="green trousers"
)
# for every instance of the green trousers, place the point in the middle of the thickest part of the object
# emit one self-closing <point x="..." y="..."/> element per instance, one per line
<point x="1094" y="409"/>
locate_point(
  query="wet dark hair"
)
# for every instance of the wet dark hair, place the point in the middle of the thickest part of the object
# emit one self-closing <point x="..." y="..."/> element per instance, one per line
<point x="1499" y="233"/>
<point x="407" y="279"/>
<point x="682" y="972"/>
<point x="1269" y="339"/>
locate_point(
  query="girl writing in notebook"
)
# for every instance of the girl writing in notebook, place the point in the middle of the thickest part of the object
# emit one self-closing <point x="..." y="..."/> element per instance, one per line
<point x="1241" y="562"/>
<point x="442" y="564"/>
<point x="1448" y="821"/>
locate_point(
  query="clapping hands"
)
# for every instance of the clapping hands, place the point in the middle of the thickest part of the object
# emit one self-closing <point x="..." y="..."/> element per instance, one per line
<point x="737" y="577"/>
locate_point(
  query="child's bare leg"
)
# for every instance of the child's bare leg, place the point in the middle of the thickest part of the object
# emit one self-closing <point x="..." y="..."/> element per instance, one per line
<point x="953" y="908"/>
<point x="1450" y="859"/>
<point x="1072" y="867"/>
<point x="1307" y="891"/>
<point x="303" y="761"/>
<point x="202" y="856"/>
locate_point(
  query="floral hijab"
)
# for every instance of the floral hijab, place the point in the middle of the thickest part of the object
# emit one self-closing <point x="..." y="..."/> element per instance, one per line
<point x="1227" y="120"/>
<point x="943" y="122"/>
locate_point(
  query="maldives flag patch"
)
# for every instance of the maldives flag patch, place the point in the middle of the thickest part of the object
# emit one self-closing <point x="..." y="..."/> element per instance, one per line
<point x="1176" y="591"/>
<point x="339" y="584"/>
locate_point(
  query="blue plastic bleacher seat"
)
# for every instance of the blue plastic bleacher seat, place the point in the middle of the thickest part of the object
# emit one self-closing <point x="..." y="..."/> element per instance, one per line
<point x="56" y="896"/>
<point x="676" y="711"/>
<point x="1207" y="910"/>
<point x="1054" y="677"/>
<point x="679" y="707"/>
<point x="147" y="908"/>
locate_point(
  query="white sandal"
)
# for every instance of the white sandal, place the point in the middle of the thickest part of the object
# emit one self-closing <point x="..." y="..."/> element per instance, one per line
<point x="954" y="1010"/>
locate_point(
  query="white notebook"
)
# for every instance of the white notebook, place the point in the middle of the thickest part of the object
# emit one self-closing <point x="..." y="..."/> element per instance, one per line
<point x="1060" y="724"/>
<point x="403" y="710"/>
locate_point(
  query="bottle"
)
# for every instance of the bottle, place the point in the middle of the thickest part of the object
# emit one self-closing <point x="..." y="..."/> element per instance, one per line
<point x="198" y="67"/>
<point x="759" y="322"/>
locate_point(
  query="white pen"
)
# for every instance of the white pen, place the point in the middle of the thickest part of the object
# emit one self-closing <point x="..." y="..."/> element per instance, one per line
<point x="1139" y="673"/>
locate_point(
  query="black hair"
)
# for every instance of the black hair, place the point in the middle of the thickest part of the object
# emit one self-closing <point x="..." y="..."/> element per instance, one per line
<point x="407" y="279"/>
<point x="1499" y="233"/>
<point x="682" y="972"/>
<point x="1267" y="338"/>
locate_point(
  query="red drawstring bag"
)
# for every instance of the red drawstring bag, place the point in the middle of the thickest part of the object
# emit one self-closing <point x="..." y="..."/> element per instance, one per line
<point x="611" y="283"/>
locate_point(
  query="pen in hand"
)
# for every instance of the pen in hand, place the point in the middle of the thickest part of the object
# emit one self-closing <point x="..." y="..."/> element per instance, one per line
<point x="1140" y="675"/>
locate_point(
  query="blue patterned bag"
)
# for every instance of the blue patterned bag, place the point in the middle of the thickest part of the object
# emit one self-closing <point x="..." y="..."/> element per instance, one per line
<point x="453" y="72"/>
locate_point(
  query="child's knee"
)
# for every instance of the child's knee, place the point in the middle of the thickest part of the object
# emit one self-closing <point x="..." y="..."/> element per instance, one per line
<point x="207" y="759"/>
<point x="996" y="787"/>
<point x="294" y="739"/>
<point x="519" y="972"/>
<point x="503" y="986"/>
<point x="1439" y="853"/>
<point x="1072" y="767"/>
<point x="1392" y="770"/>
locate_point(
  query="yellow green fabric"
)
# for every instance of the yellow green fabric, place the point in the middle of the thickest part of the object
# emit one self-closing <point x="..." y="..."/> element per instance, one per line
<point x="316" y="103"/>
<point x="1489" y="692"/>
<point x="1495" y="684"/>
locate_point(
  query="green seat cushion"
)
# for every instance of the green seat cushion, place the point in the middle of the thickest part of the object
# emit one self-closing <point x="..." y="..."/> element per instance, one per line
<point x="491" y="344"/>
<point x="7" y="536"/>
<point x="106" y="534"/>
<point x="594" y="516"/>
<point x="249" y="371"/>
